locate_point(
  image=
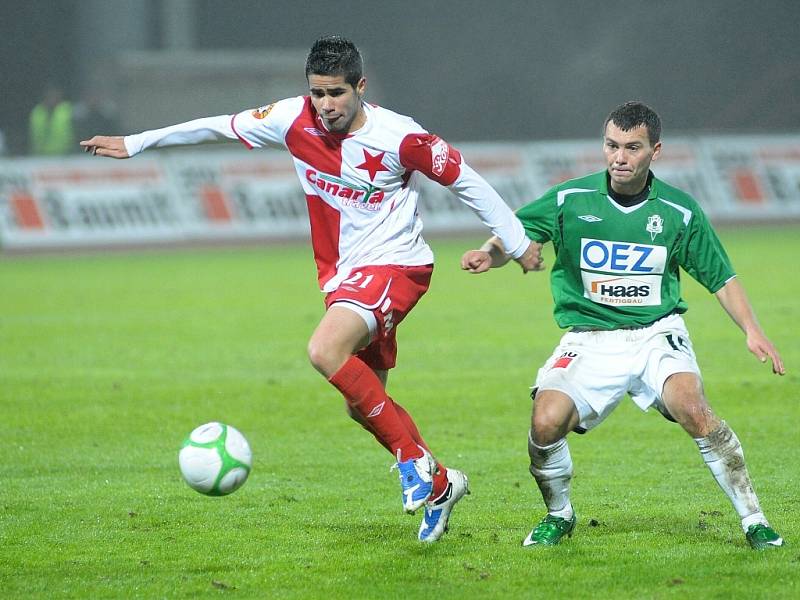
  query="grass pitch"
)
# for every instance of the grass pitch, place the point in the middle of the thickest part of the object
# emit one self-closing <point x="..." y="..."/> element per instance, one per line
<point x="107" y="363"/>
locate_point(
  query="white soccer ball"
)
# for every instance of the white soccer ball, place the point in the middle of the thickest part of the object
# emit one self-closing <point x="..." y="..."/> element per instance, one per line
<point x="215" y="459"/>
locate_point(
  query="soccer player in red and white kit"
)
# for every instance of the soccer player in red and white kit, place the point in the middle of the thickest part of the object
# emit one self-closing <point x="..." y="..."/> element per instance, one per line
<point x="360" y="166"/>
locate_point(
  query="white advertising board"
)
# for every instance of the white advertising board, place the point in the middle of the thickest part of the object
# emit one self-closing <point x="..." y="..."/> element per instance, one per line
<point x="197" y="196"/>
<point x="72" y="202"/>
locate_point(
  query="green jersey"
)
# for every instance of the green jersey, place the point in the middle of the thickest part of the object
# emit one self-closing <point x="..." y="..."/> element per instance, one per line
<point x="617" y="267"/>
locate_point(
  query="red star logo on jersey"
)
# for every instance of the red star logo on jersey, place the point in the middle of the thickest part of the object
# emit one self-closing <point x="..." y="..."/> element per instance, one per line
<point x="373" y="164"/>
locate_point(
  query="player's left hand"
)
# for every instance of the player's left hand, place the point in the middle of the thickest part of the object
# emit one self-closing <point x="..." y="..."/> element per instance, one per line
<point x="759" y="345"/>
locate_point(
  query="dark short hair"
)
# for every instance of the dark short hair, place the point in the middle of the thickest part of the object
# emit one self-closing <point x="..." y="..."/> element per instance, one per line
<point x="633" y="114"/>
<point x="334" y="55"/>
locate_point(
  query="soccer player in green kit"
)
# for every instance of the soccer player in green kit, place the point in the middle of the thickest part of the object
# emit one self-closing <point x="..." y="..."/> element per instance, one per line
<point x="620" y="236"/>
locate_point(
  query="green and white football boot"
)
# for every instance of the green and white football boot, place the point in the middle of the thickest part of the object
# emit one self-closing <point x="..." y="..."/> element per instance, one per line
<point x="550" y="530"/>
<point x="761" y="537"/>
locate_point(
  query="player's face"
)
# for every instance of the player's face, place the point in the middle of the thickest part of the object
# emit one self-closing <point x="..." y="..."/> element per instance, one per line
<point x="337" y="102"/>
<point x="628" y="157"/>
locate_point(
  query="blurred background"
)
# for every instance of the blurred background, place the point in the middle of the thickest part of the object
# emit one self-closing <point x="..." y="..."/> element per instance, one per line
<point x="522" y="88"/>
<point x="469" y="70"/>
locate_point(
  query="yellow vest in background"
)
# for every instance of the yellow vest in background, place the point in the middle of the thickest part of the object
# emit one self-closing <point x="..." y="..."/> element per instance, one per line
<point x="51" y="131"/>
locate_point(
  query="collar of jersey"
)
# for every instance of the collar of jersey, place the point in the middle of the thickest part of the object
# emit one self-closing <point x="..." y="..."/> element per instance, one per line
<point x="604" y="185"/>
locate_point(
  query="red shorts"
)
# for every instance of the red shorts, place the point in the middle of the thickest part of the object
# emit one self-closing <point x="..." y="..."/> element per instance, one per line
<point x="388" y="292"/>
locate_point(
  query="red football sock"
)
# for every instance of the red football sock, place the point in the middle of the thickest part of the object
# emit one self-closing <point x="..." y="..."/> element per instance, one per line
<point x="411" y="427"/>
<point x="364" y="393"/>
<point x="439" y="474"/>
<point x="439" y="481"/>
<point x="356" y="416"/>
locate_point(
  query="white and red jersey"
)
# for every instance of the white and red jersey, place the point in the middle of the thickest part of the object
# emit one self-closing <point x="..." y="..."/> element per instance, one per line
<point x="361" y="188"/>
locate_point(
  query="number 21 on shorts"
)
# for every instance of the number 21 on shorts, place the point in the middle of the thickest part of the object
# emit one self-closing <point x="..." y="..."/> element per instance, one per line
<point x="356" y="278"/>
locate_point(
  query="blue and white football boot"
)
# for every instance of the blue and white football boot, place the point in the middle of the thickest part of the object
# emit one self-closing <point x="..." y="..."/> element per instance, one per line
<point x="416" y="479"/>
<point x="437" y="512"/>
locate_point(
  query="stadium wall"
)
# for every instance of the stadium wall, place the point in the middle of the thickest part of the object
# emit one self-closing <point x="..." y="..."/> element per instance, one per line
<point x="190" y="196"/>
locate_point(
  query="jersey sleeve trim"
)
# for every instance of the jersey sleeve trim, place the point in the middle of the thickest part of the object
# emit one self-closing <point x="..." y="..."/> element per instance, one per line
<point x="561" y="196"/>
<point x="687" y="214"/>
<point x="723" y="284"/>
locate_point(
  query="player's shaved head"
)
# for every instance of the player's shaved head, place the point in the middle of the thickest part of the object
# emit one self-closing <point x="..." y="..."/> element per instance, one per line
<point x="633" y="114"/>
<point x="334" y="55"/>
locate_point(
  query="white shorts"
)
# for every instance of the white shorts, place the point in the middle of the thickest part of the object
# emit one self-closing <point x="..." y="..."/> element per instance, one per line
<point x="597" y="368"/>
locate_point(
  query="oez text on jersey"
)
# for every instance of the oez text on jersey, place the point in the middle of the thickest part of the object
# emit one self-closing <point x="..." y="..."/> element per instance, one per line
<point x="637" y="270"/>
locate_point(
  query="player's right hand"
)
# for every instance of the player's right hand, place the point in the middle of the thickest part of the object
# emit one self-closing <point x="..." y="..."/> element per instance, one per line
<point x="476" y="261"/>
<point x="106" y="145"/>
<point x="764" y="350"/>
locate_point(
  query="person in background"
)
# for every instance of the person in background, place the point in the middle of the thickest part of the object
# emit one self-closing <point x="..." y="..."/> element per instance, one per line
<point x="50" y="125"/>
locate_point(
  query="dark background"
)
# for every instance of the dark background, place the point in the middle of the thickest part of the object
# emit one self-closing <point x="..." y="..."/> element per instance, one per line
<point x="468" y="70"/>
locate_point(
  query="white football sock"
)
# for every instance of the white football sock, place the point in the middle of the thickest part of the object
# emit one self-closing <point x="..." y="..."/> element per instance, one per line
<point x="551" y="467"/>
<point x="753" y="519"/>
<point x="724" y="456"/>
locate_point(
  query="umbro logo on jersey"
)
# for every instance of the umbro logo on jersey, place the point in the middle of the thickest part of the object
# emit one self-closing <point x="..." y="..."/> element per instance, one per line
<point x="314" y="131"/>
<point x="590" y="218"/>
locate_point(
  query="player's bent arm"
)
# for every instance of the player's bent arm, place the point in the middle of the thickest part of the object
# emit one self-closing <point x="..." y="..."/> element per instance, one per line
<point x="442" y="163"/>
<point x="509" y="240"/>
<point x="474" y="191"/>
<point x="734" y="300"/>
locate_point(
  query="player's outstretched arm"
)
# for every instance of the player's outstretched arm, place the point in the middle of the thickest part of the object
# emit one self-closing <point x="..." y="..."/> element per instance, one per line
<point x="734" y="300"/>
<point x="199" y="131"/>
<point x="106" y="145"/>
